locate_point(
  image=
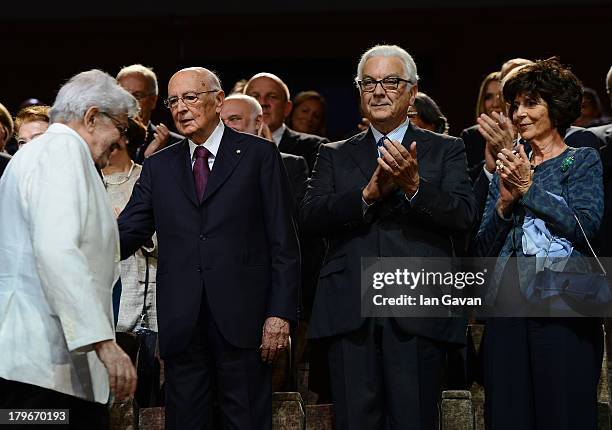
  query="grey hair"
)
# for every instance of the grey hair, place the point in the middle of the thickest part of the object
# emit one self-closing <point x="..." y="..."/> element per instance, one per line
<point x="91" y="88"/>
<point x="145" y="72"/>
<point x="252" y="101"/>
<point x="389" y="51"/>
<point x="609" y="80"/>
<point x="275" y="78"/>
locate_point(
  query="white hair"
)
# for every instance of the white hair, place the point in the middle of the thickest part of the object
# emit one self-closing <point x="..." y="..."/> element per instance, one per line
<point x="145" y="72"/>
<point x="252" y="102"/>
<point x="609" y="80"/>
<point x="91" y="88"/>
<point x="389" y="51"/>
<point x="275" y="78"/>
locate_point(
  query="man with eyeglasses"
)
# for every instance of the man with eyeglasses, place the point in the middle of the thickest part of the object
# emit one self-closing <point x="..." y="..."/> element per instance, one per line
<point x="393" y="190"/>
<point x="273" y="96"/>
<point x="141" y="82"/>
<point x="228" y="263"/>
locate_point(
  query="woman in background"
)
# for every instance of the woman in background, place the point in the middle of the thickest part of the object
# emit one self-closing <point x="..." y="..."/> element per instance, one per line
<point x="308" y="113"/>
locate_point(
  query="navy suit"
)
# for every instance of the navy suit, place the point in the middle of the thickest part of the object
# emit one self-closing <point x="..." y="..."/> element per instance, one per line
<point x="225" y="263"/>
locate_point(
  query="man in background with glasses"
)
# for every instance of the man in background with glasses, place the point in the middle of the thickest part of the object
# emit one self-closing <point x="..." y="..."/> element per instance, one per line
<point x="141" y="82"/>
<point x="393" y="190"/>
<point x="228" y="264"/>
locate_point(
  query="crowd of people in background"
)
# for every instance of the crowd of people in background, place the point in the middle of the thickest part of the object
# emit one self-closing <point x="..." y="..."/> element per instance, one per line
<point x="540" y="149"/>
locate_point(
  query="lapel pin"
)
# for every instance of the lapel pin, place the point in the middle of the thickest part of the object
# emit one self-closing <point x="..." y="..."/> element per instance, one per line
<point x="237" y="151"/>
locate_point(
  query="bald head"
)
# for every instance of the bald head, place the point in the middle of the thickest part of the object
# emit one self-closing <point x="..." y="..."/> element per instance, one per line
<point x="195" y="98"/>
<point x="206" y="77"/>
<point x="273" y="96"/>
<point x="242" y="113"/>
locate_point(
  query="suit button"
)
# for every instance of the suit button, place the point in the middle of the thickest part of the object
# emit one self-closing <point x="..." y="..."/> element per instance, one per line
<point x="198" y="269"/>
<point x="202" y="237"/>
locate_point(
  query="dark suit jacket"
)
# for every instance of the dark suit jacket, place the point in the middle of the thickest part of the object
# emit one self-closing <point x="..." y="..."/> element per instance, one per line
<point x="238" y="246"/>
<point x="4" y="160"/>
<point x="172" y="139"/>
<point x="474" y="149"/>
<point x="297" y="172"/>
<point x="302" y="144"/>
<point x="604" y="134"/>
<point x="393" y="227"/>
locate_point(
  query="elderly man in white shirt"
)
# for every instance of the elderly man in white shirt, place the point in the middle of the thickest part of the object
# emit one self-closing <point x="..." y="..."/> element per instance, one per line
<point x="59" y="260"/>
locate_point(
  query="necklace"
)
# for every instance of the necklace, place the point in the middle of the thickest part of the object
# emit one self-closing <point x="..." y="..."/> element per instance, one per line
<point x="121" y="181"/>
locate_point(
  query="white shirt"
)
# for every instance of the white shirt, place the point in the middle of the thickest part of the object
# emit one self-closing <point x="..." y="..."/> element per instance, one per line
<point x="212" y="144"/>
<point x="59" y="260"/>
<point x="277" y="135"/>
<point x="396" y="134"/>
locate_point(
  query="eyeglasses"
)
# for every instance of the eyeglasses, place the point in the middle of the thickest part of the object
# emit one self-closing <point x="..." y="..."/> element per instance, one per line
<point x="187" y="98"/>
<point x="120" y="127"/>
<point x="390" y="83"/>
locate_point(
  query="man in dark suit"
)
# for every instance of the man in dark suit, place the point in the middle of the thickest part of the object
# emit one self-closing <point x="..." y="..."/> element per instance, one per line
<point x="273" y="96"/>
<point x="604" y="134"/>
<point x="228" y="267"/>
<point x="141" y="82"/>
<point x="404" y="199"/>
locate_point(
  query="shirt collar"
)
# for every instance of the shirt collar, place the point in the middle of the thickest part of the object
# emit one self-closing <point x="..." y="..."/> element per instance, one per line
<point x="396" y="134"/>
<point x="212" y="143"/>
<point x="277" y="135"/>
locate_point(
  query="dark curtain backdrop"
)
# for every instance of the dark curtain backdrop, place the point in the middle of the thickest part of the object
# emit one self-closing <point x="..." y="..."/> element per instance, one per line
<point x="454" y="49"/>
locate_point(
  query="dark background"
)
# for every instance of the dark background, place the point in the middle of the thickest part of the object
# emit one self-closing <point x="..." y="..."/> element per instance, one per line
<point x="314" y="45"/>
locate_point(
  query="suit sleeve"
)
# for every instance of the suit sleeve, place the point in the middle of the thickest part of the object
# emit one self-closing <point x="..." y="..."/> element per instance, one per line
<point x="282" y="238"/>
<point x="323" y="210"/>
<point x="57" y="194"/>
<point x="493" y="229"/>
<point x="300" y="179"/>
<point x="452" y="205"/>
<point x="136" y="222"/>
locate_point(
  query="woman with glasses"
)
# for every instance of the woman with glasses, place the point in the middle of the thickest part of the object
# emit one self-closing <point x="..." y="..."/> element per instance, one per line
<point x="540" y="373"/>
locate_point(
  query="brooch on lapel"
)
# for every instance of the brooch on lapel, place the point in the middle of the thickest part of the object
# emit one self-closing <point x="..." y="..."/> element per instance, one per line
<point x="565" y="164"/>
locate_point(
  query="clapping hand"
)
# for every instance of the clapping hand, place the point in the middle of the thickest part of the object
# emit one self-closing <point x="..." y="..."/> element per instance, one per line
<point x="401" y="165"/>
<point x="498" y="132"/>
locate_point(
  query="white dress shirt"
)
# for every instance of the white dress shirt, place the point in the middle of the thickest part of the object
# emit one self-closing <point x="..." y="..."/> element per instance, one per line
<point x="212" y="144"/>
<point x="59" y="259"/>
<point x="277" y="135"/>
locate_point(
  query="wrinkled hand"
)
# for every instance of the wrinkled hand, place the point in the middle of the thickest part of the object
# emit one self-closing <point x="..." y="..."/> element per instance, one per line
<point x="275" y="338"/>
<point x="121" y="372"/>
<point x="264" y="131"/>
<point x="401" y="165"/>
<point x="380" y="186"/>
<point x="160" y="140"/>
<point x="515" y="170"/>
<point x="499" y="133"/>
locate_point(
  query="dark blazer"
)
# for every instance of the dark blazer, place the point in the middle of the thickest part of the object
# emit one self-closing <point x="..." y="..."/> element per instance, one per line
<point x="4" y="160"/>
<point x="172" y="139"/>
<point x="238" y="245"/>
<point x="297" y="172"/>
<point x="302" y="144"/>
<point x="474" y="149"/>
<point x="392" y="227"/>
<point x="604" y="134"/>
